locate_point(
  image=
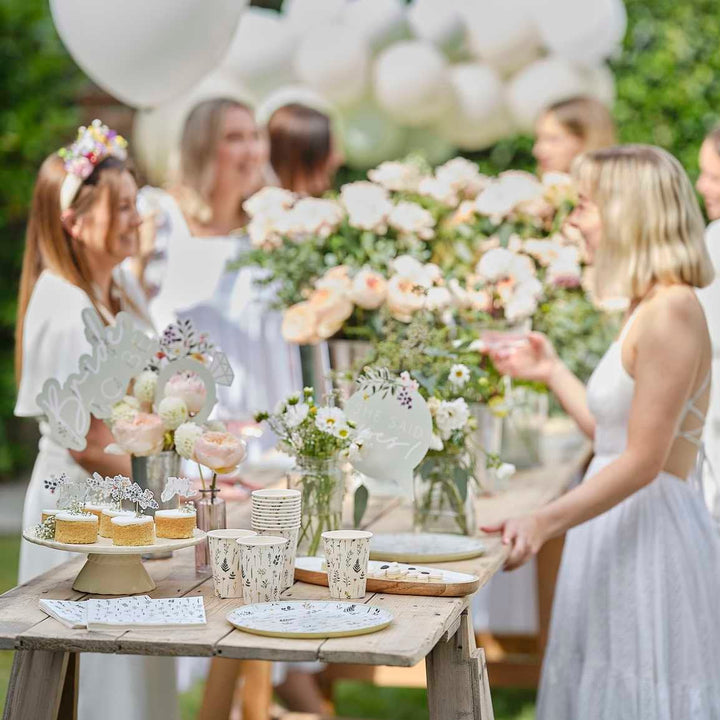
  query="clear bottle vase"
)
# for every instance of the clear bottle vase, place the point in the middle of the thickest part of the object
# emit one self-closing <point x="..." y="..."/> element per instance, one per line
<point x="322" y="484"/>
<point x="210" y="516"/>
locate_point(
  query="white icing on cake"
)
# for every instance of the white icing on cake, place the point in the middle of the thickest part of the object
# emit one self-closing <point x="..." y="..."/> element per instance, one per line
<point x="134" y="520"/>
<point x="53" y="511"/>
<point x="96" y="506"/>
<point x="118" y="513"/>
<point x="72" y="517"/>
<point x="174" y="514"/>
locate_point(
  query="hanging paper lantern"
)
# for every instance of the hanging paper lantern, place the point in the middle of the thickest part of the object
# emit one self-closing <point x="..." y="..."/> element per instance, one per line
<point x="380" y="22"/>
<point x="583" y="32"/>
<point x="480" y="117"/>
<point x="334" y="61"/>
<point x="502" y="33"/>
<point x="540" y="84"/>
<point x="369" y="136"/>
<point x="411" y="82"/>
<point x="145" y="53"/>
<point x="261" y="53"/>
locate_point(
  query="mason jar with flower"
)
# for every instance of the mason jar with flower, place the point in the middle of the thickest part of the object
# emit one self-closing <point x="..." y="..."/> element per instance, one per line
<point x="321" y="438"/>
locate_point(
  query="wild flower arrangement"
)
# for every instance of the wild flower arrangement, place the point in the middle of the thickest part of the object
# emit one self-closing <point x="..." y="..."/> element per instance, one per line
<point x="319" y="436"/>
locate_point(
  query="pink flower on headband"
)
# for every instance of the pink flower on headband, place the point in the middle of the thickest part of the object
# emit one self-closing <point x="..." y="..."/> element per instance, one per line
<point x="92" y="146"/>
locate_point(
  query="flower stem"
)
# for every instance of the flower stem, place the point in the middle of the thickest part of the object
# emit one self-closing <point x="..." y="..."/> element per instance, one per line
<point x="202" y="479"/>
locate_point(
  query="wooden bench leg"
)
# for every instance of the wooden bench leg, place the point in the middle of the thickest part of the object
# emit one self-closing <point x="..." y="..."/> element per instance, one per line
<point x="36" y="685"/>
<point x="457" y="681"/>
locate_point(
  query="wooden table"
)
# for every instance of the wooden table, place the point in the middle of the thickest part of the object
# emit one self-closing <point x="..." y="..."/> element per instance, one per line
<point x="43" y="681"/>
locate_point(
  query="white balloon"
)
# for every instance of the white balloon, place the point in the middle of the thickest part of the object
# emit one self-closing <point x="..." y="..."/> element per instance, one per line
<point x="412" y="83"/>
<point x="503" y="32"/>
<point x="369" y="137"/>
<point x="157" y="132"/>
<point x="292" y="94"/>
<point x="145" y="53"/>
<point x="381" y="22"/>
<point x="584" y="32"/>
<point x="600" y="83"/>
<point x="262" y="50"/>
<point x="303" y="15"/>
<point x="440" y="23"/>
<point x="480" y="117"/>
<point x="543" y="83"/>
<point x="430" y="144"/>
<point x="334" y="60"/>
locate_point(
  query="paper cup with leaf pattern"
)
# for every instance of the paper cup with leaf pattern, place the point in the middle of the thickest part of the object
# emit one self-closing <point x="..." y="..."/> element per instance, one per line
<point x="225" y="561"/>
<point x="347" y="553"/>
<point x="288" y="577"/>
<point x="262" y="562"/>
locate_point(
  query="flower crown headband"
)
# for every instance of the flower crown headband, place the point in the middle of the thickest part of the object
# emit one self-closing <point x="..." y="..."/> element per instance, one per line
<point x="92" y="146"/>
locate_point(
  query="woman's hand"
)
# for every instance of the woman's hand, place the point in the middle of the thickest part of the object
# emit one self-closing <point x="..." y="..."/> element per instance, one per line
<point x="532" y="359"/>
<point x="525" y="535"/>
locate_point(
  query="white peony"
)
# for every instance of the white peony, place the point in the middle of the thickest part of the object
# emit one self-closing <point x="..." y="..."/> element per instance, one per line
<point x="424" y="274"/>
<point x="505" y="471"/>
<point x="520" y="307"/>
<point x="310" y="216"/>
<point x="369" y="289"/>
<point x="522" y="268"/>
<point x="438" y="190"/>
<point x="438" y="298"/>
<point x="409" y="218"/>
<point x="508" y="191"/>
<point x="436" y="442"/>
<point x="145" y="385"/>
<point x="268" y="201"/>
<point x="336" y="278"/>
<point x="263" y="233"/>
<point x="462" y="175"/>
<point x="397" y="176"/>
<point x="185" y="438"/>
<point x="295" y="414"/>
<point x="173" y="412"/>
<point x="459" y="375"/>
<point x="495" y="264"/>
<point x="368" y="206"/>
<point x="544" y="251"/>
<point x="404" y="297"/>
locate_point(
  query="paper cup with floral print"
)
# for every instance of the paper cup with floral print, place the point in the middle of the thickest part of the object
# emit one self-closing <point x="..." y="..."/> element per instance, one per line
<point x="347" y="553"/>
<point x="262" y="561"/>
<point x="288" y="576"/>
<point x="225" y="561"/>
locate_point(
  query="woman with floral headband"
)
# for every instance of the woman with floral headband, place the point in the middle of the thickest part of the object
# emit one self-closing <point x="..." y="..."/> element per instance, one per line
<point x="83" y="223"/>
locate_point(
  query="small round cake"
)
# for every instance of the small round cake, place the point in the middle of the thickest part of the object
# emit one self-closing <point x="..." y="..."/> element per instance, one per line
<point x="133" y="530"/>
<point x="96" y="508"/>
<point x="175" y="524"/>
<point x="107" y="515"/>
<point x="45" y="514"/>
<point x="76" y="529"/>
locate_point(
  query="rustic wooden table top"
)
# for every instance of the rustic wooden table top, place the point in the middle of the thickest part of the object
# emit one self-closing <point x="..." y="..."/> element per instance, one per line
<point x="419" y="622"/>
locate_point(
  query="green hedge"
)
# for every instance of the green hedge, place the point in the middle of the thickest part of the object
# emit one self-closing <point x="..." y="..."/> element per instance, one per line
<point x="668" y="93"/>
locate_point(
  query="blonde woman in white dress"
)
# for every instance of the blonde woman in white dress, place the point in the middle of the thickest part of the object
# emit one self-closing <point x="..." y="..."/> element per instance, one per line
<point x="79" y="230"/>
<point x="635" y="632"/>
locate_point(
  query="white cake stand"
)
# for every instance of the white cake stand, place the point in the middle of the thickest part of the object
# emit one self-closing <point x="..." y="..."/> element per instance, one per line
<point x="114" y="569"/>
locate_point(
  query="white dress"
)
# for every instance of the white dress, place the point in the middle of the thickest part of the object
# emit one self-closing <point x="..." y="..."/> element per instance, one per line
<point x="635" y="632"/>
<point x="710" y="299"/>
<point x="53" y="340"/>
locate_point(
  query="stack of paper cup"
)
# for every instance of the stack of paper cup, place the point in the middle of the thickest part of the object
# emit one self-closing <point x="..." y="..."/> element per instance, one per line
<point x="277" y="512"/>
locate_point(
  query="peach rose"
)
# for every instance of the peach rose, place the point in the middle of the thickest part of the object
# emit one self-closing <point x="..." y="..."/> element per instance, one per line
<point x="332" y="308"/>
<point x="405" y="297"/>
<point x="219" y="451"/>
<point x="369" y="289"/>
<point x="299" y="324"/>
<point x="337" y="278"/>
<point x="189" y="387"/>
<point x="141" y="436"/>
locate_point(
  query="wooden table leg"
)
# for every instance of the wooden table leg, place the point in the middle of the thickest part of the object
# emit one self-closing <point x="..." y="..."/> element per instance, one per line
<point x="36" y="685"/>
<point x="256" y="689"/>
<point x="457" y="681"/>
<point x="69" y="697"/>
<point x="219" y="689"/>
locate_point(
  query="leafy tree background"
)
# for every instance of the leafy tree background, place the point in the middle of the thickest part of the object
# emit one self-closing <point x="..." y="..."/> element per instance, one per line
<point x="668" y="93"/>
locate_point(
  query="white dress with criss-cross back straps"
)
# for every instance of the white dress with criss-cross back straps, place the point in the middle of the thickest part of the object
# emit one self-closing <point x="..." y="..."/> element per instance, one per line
<point x="635" y="632"/>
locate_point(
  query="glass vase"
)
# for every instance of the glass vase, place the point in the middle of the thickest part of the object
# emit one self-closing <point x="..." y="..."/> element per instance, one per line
<point x="322" y="485"/>
<point x="210" y="516"/>
<point x="444" y="494"/>
<point x="523" y="428"/>
<point x="486" y="440"/>
<point x="151" y="473"/>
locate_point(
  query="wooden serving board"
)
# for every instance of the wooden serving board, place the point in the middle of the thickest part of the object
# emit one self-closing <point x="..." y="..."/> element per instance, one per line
<point x="453" y="584"/>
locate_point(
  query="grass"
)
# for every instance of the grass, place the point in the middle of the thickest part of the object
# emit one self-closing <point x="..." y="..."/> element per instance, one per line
<point x="352" y="699"/>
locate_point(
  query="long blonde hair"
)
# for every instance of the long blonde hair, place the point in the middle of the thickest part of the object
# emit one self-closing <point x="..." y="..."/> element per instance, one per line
<point x="587" y="119"/>
<point x="48" y="245"/>
<point x="653" y="230"/>
<point x="198" y="147"/>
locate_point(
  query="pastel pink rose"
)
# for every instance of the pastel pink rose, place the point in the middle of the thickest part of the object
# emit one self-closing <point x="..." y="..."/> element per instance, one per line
<point x="219" y="451"/>
<point x="299" y="324"/>
<point x="142" y="435"/>
<point x="190" y="388"/>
